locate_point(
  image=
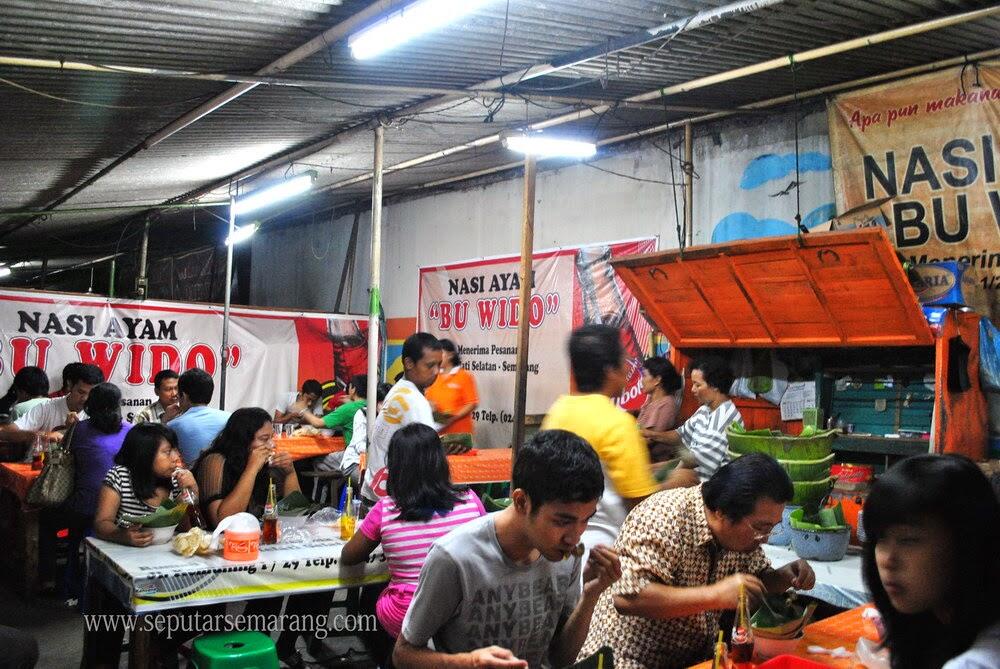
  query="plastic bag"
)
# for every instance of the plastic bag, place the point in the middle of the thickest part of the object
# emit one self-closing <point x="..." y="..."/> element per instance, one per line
<point x="989" y="356"/>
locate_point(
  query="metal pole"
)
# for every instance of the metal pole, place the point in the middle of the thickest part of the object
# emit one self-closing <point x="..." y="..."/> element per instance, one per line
<point x="688" y="186"/>
<point x="523" y="323"/>
<point x="141" y="280"/>
<point x="225" y="311"/>
<point x="111" y="279"/>
<point x="374" y="300"/>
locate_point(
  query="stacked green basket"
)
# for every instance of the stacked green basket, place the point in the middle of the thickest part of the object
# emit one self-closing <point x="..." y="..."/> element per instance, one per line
<point x="807" y="458"/>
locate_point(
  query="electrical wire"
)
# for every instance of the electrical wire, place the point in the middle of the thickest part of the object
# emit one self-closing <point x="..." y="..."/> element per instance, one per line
<point x="101" y="105"/>
<point x="629" y="176"/>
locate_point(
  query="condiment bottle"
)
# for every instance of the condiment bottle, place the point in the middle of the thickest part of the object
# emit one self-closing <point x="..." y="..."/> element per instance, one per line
<point x="741" y="641"/>
<point x="269" y="534"/>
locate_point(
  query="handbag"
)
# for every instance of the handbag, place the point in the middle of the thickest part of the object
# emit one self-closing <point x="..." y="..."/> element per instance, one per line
<point x="54" y="485"/>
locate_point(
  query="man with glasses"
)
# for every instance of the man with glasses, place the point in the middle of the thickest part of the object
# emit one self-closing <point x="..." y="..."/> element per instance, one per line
<point x="684" y="555"/>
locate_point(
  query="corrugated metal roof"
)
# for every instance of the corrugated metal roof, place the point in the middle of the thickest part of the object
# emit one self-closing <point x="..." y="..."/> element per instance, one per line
<point x="50" y="146"/>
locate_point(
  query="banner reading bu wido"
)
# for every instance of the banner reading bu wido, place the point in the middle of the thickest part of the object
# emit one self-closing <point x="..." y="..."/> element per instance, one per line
<point x="272" y="352"/>
<point x="929" y="143"/>
<point x="476" y="305"/>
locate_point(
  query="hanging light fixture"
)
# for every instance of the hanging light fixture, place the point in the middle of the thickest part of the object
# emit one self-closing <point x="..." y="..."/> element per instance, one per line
<point x="545" y="146"/>
<point x="415" y="19"/>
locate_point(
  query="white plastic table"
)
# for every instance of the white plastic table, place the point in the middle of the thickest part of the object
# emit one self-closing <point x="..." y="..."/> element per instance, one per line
<point x="840" y="583"/>
<point x="155" y="579"/>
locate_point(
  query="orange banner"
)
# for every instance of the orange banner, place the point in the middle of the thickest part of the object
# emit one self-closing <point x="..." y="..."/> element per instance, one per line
<point x="930" y="144"/>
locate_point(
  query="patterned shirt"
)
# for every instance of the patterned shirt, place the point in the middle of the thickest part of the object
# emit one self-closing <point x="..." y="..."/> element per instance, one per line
<point x="704" y="434"/>
<point x="153" y="413"/>
<point x="666" y="539"/>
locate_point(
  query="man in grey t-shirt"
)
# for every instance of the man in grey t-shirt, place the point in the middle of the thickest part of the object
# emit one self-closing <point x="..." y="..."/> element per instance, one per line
<point x="505" y="590"/>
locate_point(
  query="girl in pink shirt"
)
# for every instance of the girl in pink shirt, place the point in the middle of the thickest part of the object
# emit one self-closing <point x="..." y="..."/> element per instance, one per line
<point x="422" y="506"/>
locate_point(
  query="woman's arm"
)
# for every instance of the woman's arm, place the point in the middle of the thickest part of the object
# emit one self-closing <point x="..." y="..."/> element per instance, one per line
<point x="239" y="497"/>
<point x="105" y="526"/>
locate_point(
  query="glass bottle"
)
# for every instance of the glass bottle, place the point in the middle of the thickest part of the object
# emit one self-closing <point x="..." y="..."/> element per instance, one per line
<point x="194" y="515"/>
<point x="38" y="453"/>
<point x="349" y="517"/>
<point x="269" y="534"/>
<point x="741" y="641"/>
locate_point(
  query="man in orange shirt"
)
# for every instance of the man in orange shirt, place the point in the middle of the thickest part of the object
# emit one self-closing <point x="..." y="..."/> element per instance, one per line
<point x="453" y="394"/>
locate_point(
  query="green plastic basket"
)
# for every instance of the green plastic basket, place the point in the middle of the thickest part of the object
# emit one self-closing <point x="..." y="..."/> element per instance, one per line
<point x="802" y="470"/>
<point x="779" y="445"/>
<point x="810" y="494"/>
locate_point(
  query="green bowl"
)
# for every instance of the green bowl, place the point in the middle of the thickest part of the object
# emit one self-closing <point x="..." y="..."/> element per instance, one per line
<point x="802" y="470"/>
<point x="781" y="446"/>
<point x="810" y="494"/>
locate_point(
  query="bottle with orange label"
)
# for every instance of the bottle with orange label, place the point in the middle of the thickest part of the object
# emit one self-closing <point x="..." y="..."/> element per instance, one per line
<point x="269" y="533"/>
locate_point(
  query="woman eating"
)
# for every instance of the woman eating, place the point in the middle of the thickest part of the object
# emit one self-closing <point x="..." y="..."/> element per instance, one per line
<point x="234" y="474"/>
<point x="932" y="563"/>
<point x="146" y="469"/>
<point x="422" y="506"/>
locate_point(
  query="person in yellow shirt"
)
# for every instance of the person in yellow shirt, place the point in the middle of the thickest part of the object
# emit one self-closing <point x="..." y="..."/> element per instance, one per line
<point x="453" y="394"/>
<point x="598" y="364"/>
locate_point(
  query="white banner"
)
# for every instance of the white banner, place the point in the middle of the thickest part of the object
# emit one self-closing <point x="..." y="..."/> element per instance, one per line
<point x="476" y="305"/>
<point x="271" y="352"/>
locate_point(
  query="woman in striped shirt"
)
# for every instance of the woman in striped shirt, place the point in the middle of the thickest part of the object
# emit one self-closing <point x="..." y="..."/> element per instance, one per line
<point x="143" y="478"/>
<point x="422" y="506"/>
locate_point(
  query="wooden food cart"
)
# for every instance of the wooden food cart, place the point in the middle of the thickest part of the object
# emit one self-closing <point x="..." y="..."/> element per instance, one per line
<point x="843" y="297"/>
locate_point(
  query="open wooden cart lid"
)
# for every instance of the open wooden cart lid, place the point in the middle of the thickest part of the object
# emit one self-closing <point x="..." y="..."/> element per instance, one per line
<point x="844" y="288"/>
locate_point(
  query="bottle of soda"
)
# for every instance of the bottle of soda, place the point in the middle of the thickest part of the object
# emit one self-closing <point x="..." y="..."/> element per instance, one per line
<point x="194" y="515"/>
<point x="38" y="453"/>
<point x="269" y="533"/>
<point x="741" y="641"/>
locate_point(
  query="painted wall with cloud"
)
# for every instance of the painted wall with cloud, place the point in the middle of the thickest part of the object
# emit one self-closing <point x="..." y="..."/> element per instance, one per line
<point x="747" y="178"/>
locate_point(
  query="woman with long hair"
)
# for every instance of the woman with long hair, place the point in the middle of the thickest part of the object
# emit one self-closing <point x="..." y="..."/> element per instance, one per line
<point x="234" y="472"/>
<point x="422" y="506"/>
<point x="932" y="563"/>
<point x="147" y="472"/>
<point x="29" y="387"/>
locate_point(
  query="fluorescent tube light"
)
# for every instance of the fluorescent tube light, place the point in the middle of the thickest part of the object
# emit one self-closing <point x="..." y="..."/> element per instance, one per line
<point x="241" y="233"/>
<point x="549" y="147"/>
<point x="407" y="23"/>
<point x="4" y="271"/>
<point x="267" y="196"/>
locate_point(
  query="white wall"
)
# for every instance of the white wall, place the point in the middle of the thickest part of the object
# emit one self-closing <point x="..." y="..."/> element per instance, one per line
<point x="574" y="205"/>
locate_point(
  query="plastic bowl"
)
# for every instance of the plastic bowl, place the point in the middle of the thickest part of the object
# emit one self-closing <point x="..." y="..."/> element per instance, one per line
<point x="782" y="446"/>
<point x="162" y="535"/>
<point x="811" y="493"/>
<point x="825" y="546"/>
<point x="765" y="648"/>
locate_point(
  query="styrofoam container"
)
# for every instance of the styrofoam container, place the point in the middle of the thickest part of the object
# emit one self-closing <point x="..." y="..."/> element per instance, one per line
<point x="162" y="535"/>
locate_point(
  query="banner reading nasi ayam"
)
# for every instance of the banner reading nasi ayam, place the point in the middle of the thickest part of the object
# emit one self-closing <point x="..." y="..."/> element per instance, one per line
<point x="929" y="143"/>
<point x="270" y="352"/>
<point x="476" y="305"/>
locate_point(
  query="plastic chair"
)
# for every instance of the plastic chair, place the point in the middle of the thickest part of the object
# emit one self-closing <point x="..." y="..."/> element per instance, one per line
<point x="234" y="650"/>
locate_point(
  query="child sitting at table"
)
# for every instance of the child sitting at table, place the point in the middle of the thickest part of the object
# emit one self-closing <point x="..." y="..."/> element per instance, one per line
<point x="932" y="563"/>
<point x="421" y="507"/>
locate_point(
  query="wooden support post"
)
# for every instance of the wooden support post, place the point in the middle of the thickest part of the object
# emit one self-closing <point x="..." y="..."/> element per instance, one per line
<point x="523" y="323"/>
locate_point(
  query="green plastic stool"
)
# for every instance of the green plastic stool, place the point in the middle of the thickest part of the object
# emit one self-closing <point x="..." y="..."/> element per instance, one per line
<point x="234" y="650"/>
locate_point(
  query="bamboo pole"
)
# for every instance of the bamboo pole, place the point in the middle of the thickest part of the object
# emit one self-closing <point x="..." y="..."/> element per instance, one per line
<point x="375" y="278"/>
<point x="688" y="185"/>
<point x="225" y="309"/>
<point x="523" y="323"/>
